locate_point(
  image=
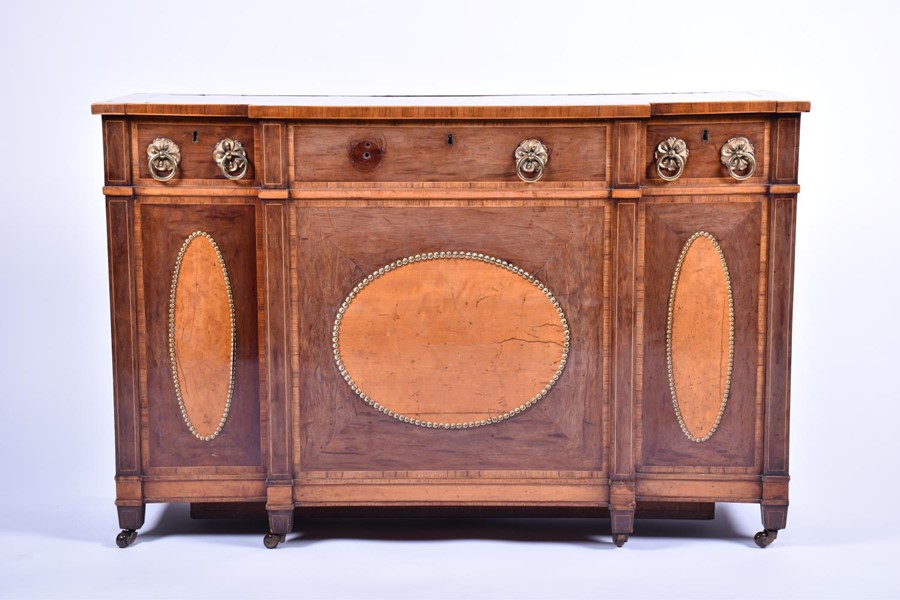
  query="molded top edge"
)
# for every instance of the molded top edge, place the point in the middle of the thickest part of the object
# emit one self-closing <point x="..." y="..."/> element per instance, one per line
<point x="576" y="106"/>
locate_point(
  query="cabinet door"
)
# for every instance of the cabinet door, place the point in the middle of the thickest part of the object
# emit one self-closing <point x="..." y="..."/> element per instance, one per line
<point x="703" y="278"/>
<point x="450" y="342"/>
<point x="198" y="278"/>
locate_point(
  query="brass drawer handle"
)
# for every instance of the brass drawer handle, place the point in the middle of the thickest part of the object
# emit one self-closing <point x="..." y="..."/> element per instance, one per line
<point x="163" y="158"/>
<point x="531" y="158"/>
<point x="231" y="157"/>
<point x="671" y="157"/>
<point x="738" y="157"/>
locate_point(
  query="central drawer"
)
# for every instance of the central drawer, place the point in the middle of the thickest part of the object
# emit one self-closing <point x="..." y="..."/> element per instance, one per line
<point x="466" y="152"/>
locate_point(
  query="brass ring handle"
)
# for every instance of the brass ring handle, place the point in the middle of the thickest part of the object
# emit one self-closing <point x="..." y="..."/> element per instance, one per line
<point x="531" y="158"/>
<point x="671" y="155"/>
<point x="231" y="157"/>
<point x="738" y="157"/>
<point x="163" y="156"/>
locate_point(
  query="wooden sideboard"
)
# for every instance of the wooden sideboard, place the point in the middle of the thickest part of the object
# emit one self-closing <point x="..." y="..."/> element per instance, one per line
<point x="511" y="303"/>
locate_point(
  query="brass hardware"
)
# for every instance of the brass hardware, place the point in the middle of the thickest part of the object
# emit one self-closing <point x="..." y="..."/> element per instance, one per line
<point x="738" y="157"/>
<point x="336" y="342"/>
<point x="231" y="157"/>
<point x="163" y="157"/>
<point x="681" y="257"/>
<point x="531" y="158"/>
<point x="173" y="359"/>
<point x="671" y="155"/>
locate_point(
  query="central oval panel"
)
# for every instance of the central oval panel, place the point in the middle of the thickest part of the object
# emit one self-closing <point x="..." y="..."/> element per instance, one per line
<point x="451" y="340"/>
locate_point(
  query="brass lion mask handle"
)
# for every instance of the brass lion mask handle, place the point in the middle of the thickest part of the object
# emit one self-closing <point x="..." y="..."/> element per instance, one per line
<point x="738" y="157"/>
<point x="671" y="157"/>
<point x="163" y="157"/>
<point x="231" y="157"/>
<point x="531" y="158"/>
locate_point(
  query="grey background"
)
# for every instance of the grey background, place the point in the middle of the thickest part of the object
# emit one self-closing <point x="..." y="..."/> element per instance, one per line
<point x="57" y="520"/>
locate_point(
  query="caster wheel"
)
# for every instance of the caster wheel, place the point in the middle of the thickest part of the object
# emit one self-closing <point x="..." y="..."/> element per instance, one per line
<point x="125" y="538"/>
<point x="272" y="540"/>
<point x="765" y="537"/>
<point x="619" y="539"/>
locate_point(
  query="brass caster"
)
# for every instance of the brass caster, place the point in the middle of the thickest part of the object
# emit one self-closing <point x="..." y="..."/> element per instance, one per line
<point x="272" y="540"/>
<point x="125" y="538"/>
<point x="619" y="539"/>
<point x="765" y="537"/>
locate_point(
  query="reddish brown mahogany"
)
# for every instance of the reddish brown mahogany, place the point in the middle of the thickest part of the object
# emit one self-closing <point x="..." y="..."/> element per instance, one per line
<point x="537" y="369"/>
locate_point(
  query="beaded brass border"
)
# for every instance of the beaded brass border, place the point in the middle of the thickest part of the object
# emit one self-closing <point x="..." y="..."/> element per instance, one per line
<point x="502" y="264"/>
<point x="724" y="404"/>
<point x="172" y="356"/>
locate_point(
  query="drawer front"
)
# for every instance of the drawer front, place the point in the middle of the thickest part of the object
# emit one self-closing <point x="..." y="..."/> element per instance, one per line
<point x="196" y="142"/>
<point x="704" y="140"/>
<point x="451" y="152"/>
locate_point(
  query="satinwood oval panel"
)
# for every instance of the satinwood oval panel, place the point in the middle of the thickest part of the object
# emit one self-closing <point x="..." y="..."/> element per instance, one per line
<point x="451" y="340"/>
<point x="700" y="337"/>
<point x="202" y="336"/>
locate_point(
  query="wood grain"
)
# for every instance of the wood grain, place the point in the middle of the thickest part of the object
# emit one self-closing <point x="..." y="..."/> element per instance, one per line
<point x="451" y="341"/>
<point x="704" y="163"/>
<point x="197" y="164"/>
<point x="337" y="431"/>
<point x="163" y="229"/>
<point x="484" y="152"/>
<point x="736" y="222"/>
<point x="701" y="336"/>
<point x="202" y="336"/>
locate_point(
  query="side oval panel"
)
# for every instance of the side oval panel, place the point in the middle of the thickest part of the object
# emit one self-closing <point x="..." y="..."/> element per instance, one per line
<point x="202" y="336"/>
<point x="700" y="337"/>
<point x="451" y="340"/>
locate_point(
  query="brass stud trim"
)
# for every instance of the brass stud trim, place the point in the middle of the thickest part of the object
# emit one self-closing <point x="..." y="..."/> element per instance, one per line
<point x="345" y="374"/>
<point x="173" y="358"/>
<point x="681" y="257"/>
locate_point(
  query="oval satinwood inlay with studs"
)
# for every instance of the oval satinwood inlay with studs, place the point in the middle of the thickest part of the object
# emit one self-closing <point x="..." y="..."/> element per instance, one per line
<point x="450" y="340"/>
<point x="202" y="336"/>
<point x="700" y="337"/>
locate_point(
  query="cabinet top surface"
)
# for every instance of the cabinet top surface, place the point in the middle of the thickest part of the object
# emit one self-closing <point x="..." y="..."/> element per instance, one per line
<point x="579" y="106"/>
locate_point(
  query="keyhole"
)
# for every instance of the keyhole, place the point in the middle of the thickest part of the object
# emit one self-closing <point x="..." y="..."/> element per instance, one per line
<point x="704" y="137"/>
<point x="449" y="139"/>
<point x="195" y="137"/>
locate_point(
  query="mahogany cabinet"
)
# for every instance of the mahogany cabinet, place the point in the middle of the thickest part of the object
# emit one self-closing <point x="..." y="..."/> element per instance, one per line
<point x="565" y="303"/>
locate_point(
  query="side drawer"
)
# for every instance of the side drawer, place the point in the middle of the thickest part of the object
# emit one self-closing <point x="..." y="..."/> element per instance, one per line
<point x="196" y="142"/>
<point x="465" y="152"/>
<point x="704" y="139"/>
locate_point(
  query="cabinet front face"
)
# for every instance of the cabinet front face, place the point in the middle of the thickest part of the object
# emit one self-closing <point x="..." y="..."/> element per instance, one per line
<point x="198" y="277"/>
<point x="488" y="352"/>
<point x="703" y="279"/>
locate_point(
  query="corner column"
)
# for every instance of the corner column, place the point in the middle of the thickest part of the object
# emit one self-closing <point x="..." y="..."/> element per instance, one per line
<point x="626" y="193"/>
<point x="276" y="306"/>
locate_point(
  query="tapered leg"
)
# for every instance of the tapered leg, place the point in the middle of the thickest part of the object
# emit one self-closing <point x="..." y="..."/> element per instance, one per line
<point x="774" y="518"/>
<point x="131" y="518"/>
<point x="622" y="524"/>
<point x="281" y="522"/>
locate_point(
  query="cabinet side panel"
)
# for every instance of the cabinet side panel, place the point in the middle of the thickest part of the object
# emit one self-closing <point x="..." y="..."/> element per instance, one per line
<point x="275" y="279"/>
<point x="624" y="330"/>
<point x="122" y="307"/>
<point x="783" y="210"/>
<point x="115" y="149"/>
